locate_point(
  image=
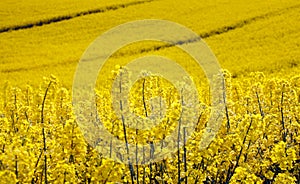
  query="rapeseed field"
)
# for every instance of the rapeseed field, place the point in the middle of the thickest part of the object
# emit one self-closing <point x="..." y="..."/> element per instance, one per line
<point x="42" y="137"/>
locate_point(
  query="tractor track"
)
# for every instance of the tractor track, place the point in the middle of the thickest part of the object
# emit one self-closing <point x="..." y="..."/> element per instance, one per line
<point x="211" y="33"/>
<point x="71" y="16"/>
<point x="218" y="31"/>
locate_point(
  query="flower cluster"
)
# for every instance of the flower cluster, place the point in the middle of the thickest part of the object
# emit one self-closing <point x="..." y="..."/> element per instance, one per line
<point x="40" y="140"/>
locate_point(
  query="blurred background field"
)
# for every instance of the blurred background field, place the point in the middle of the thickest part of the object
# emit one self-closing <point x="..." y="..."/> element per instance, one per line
<point x="245" y="36"/>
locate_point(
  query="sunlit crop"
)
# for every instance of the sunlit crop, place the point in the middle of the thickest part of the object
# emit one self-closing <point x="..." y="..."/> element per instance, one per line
<point x="258" y="141"/>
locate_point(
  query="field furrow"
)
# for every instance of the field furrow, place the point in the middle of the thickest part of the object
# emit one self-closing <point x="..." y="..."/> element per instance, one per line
<point x="70" y="16"/>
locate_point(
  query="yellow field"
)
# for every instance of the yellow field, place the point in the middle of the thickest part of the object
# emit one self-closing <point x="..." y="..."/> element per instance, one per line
<point x="56" y="48"/>
<point x="257" y="43"/>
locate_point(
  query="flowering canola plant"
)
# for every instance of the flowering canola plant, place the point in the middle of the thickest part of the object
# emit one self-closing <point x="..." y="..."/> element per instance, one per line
<point x="258" y="142"/>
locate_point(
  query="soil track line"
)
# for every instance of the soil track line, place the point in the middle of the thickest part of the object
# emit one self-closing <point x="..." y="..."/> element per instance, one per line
<point x="218" y="31"/>
<point x="71" y="16"/>
<point x="204" y="35"/>
<point x="211" y="33"/>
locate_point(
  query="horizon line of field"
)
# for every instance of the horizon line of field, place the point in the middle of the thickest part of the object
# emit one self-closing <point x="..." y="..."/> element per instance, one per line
<point x="61" y="18"/>
<point x="204" y="35"/>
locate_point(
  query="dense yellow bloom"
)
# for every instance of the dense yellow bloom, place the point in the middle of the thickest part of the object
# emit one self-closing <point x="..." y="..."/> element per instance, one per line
<point x="257" y="142"/>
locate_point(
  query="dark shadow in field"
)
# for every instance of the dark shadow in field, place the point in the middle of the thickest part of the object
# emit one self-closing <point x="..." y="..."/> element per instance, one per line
<point x="211" y="33"/>
<point x="218" y="31"/>
<point x="71" y="16"/>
